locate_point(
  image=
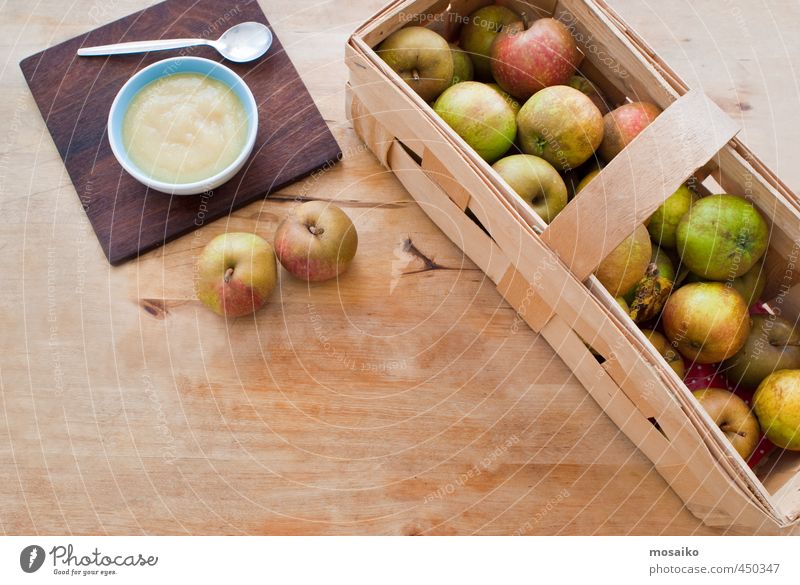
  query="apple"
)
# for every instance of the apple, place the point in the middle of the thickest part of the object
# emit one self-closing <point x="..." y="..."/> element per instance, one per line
<point x="664" y="221"/>
<point x="706" y="321"/>
<point x="561" y="125"/>
<point x="663" y="347"/>
<point x="733" y="417"/>
<point x="721" y="237"/>
<point x="478" y="34"/>
<point x="626" y="264"/>
<point x="751" y="284"/>
<point x="773" y="344"/>
<point x="236" y="273"/>
<point x="526" y="61"/>
<point x="536" y="182"/>
<point x="316" y="241"/>
<point x="585" y="86"/>
<point x="622" y="125"/>
<point x="515" y="105"/>
<point x="650" y="294"/>
<point x="585" y="180"/>
<point x="480" y="116"/>
<point x="462" y="66"/>
<point x="421" y="57"/>
<point x="777" y="406"/>
<point x="443" y="22"/>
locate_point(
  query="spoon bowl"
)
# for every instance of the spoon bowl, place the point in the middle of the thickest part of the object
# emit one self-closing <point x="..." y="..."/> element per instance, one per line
<point x="244" y="42"/>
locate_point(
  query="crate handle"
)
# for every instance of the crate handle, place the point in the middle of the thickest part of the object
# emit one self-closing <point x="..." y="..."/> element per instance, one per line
<point x="679" y="141"/>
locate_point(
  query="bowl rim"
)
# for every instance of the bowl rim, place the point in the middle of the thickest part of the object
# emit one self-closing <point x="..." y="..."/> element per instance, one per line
<point x="194" y="187"/>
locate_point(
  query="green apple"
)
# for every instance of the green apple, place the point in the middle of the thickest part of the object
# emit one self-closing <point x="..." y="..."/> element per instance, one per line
<point x="236" y="273"/>
<point x="462" y="66"/>
<point x="478" y="34"/>
<point x="316" y="241"/>
<point x="421" y="57"/>
<point x="626" y="264"/>
<point x="536" y="182"/>
<point x="511" y="100"/>
<point x="663" y="347"/>
<point x="561" y="125"/>
<point x="707" y="322"/>
<point x="773" y="344"/>
<point x="480" y="116"/>
<point x="586" y="179"/>
<point x="722" y="237"/>
<point x="751" y="284"/>
<point x="777" y="406"/>
<point x="733" y="417"/>
<point x="664" y="222"/>
<point x="585" y="86"/>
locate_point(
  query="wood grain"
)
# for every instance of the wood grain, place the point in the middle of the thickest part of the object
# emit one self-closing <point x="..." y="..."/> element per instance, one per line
<point x="74" y="95"/>
<point x="106" y="373"/>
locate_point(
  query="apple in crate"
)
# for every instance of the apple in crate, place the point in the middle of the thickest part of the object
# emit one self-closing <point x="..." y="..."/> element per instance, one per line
<point x="627" y="263"/>
<point x="773" y="344"/>
<point x="478" y="34"/>
<point x="648" y="296"/>
<point x="236" y="274"/>
<point x="707" y="322"/>
<point x="526" y="61"/>
<point x="586" y="180"/>
<point x="622" y="125"/>
<point x="722" y="237"/>
<point x="752" y="283"/>
<point x="777" y="406"/>
<point x="663" y="224"/>
<point x="583" y="85"/>
<point x="536" y="182"/>
<point x="733" y="417"/>
<point x="316" y="241"/>
<point x="481" y="116"/>
<point x="510" y="100"/>
<point x="462" y="66"/>
<point x="664" y="348"/>
<point x="561" y="125"/>
<point x="421" y="57"/>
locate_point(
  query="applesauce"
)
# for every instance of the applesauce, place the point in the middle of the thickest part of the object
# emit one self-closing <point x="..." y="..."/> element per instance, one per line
<point x="184" y="128"/>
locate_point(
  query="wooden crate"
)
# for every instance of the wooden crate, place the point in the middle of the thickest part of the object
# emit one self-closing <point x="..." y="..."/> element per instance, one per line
<point x="545" y="272"/>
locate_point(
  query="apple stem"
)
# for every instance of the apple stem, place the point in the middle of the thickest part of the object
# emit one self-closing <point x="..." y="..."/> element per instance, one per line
<point x="415" y="75"/>
<point x="317" y="231"/>
<point x="228" y="274"/>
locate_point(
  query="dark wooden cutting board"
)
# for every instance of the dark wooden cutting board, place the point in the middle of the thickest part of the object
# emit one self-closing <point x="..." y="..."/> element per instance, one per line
<point x="74" y="95"/>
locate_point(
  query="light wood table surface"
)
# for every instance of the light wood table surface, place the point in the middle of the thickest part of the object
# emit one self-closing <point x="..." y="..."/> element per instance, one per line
<point x="398" y="401"/>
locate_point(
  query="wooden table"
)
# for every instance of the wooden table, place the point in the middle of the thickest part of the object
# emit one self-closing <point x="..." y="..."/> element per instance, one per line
<point x="399" y="401"/>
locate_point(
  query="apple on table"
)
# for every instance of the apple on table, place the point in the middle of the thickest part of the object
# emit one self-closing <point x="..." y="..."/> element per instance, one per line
<point x="236" y="274"/>
<point x="317" y="241"/>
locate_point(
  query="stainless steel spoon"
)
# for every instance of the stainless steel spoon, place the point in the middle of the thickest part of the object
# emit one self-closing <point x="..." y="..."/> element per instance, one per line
<point x="241" y="43"/>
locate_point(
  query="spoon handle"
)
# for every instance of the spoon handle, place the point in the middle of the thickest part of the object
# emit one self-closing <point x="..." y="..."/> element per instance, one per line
<point x="140" y="47"/>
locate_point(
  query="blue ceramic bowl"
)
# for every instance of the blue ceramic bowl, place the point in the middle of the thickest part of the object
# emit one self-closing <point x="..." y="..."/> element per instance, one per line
<point x="163" y="69"/>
